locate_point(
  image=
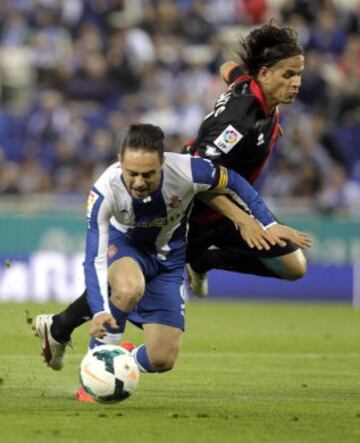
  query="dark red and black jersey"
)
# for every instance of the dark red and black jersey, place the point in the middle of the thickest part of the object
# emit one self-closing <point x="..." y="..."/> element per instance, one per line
<point x="240" y="133"/>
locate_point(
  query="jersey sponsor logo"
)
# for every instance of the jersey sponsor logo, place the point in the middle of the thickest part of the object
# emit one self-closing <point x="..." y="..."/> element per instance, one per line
<point x="93" y="196"/>
<point x="228" y="139"/>
<point x="155" y="223"/>
<point x="175" y="201"/>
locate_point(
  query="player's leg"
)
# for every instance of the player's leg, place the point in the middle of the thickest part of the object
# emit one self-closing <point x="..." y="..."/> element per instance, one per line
<point x="225" y="249"/>
<point x="287" y="262"/>
<point x="200" y="238"/>
<point x="127" y="283"/>
<point x="161" y="315"/>
<point x="160" y="349"/>
<point x="291" y="266"/>
<point x="55" y="331"/>
<point x="73" y="316"/>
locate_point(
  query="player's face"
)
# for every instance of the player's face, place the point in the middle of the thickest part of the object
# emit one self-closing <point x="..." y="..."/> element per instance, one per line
<point x="281" y="82"/>
<point x="141" y="172"/>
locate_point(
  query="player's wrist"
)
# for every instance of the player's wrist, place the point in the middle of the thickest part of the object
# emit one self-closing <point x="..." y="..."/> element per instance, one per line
<point x="270" y="225"/>
<point x="101" y="313"/>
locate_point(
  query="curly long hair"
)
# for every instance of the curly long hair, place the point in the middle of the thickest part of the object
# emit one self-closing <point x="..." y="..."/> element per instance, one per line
<point x="267" y="45"/>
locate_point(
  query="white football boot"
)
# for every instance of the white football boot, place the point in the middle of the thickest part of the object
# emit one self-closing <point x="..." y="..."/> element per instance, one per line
<point x="52" y="350"/>
<point x="198" y="283"/>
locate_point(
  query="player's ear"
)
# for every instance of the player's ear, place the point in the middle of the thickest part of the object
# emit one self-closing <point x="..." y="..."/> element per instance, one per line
<point x="263" y="75"/>
<point x="263" y="72"/>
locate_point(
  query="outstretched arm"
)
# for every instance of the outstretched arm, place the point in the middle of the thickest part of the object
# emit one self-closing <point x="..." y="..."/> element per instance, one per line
<point x="251" y="231"/>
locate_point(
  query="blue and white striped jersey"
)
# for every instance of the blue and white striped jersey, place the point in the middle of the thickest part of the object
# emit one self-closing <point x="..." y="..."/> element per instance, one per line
<point x="157" y="223"/>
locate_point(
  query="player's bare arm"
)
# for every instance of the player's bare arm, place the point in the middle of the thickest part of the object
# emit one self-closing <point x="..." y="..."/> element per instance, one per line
<point x="251" y="231"/>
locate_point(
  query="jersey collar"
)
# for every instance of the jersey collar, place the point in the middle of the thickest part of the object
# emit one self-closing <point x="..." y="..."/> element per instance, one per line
<point x="257" y="92"/>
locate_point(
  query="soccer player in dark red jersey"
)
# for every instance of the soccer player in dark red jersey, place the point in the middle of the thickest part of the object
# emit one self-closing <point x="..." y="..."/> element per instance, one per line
<point x="241" y="133"/>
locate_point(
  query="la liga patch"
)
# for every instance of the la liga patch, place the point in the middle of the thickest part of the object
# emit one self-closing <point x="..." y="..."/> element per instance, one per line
<point x="228" y="139"/>
<point x="91" y="202"/>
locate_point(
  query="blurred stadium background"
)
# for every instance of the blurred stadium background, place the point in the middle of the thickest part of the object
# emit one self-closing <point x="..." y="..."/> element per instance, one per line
<point x="75" y="73"/>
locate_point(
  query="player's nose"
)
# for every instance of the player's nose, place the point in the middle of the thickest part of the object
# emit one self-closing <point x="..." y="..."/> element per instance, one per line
<point x="139" y="182"/>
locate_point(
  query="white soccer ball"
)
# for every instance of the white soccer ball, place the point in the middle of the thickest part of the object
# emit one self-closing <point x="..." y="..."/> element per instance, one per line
<point x="109" y="373"/>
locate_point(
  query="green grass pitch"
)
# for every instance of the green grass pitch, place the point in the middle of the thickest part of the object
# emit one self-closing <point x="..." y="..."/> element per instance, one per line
<point x="248" y="372"/>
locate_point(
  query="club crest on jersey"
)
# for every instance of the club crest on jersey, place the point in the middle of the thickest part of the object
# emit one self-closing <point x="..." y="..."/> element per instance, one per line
<point x="228" y="139"/>
<point x="93" y="196"/>
<point x="175" y="202"/>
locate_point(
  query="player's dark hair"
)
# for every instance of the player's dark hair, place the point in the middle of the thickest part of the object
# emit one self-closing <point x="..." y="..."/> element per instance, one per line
<point x="267" y="45"/>
<point x="144" y="137"/>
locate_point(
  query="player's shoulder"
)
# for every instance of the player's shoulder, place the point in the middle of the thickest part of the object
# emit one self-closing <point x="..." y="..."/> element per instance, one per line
<point x="178" y="166"/>
<point x="177" y="160"/>
<point x="111" y="175"/>
<point x="246" y="106"/>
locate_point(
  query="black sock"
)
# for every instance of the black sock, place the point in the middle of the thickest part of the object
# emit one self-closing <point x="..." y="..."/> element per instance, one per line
<point x="229" y="261"/>
<point x="73" y="316"/>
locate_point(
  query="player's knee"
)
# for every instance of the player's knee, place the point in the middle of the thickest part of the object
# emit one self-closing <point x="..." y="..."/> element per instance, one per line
<point x="164" y="361"/>
<point x="127" y="294"/>
<point x="297" y="269"/>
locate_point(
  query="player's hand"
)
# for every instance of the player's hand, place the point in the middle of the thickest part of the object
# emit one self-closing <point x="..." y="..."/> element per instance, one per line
<point x="254" y="234"/>
<point x="283" y="233"/>
<point x="97" y="328"/>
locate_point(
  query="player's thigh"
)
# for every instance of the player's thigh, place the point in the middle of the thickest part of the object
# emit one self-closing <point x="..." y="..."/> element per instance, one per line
<point x="126" y="278"/>
<point x="228" y="238"/>
<point x="163" y="301"/>
<point x="127" y="267"/>
<point x="163" y="344"/>
<point x="290" y="266"/>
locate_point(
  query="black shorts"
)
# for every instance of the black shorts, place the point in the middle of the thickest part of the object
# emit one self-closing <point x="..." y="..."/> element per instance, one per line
<point x="224" y="235"/>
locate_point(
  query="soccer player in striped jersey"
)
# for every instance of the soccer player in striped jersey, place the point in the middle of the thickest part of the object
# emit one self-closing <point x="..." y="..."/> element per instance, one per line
<point x="136" y="243"/>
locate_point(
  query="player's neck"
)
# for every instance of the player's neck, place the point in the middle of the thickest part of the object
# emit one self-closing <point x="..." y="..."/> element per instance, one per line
<point x="271" y="104"/>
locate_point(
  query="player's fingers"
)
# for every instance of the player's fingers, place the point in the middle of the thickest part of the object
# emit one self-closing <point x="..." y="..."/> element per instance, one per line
<point x="265" y="243"/>
<point x="262" y="243"/>
<point x="270" y="238"/>
<point x="258" y="245"/>
<point x="247" y="238"/>
<point x="305" y="243"/>
<point x="113" y="323"/>
<point x="280" y="242"/>
<point x="97" y="332"/>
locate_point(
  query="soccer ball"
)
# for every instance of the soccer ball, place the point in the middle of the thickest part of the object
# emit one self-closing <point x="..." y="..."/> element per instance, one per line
<point x="109" y="373"/>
